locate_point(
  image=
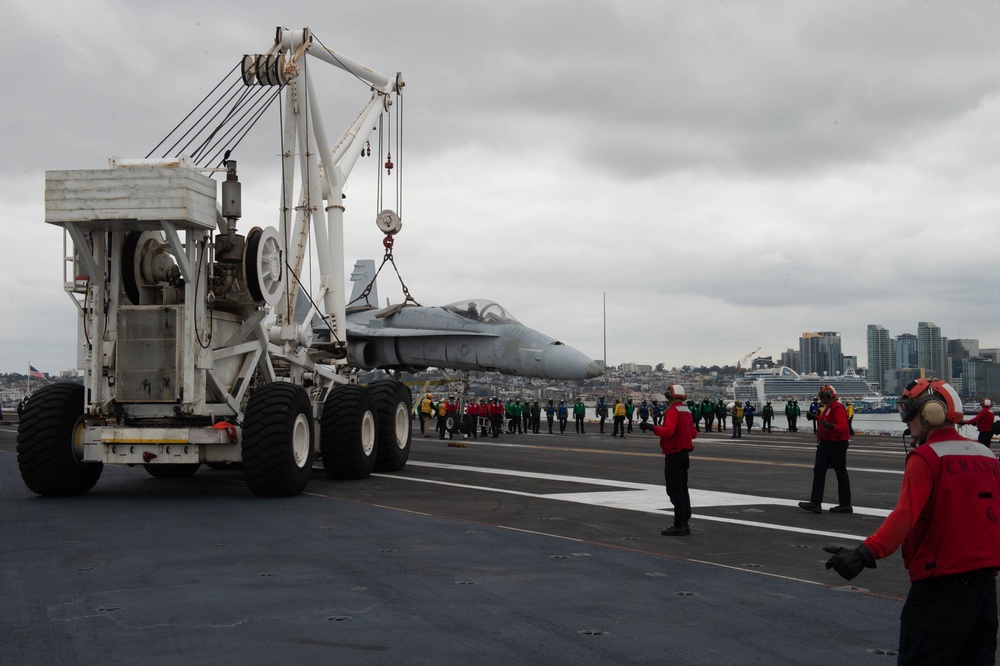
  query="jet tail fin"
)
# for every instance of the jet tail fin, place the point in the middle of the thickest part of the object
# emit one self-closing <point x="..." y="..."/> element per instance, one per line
<point x="362" y="276"/>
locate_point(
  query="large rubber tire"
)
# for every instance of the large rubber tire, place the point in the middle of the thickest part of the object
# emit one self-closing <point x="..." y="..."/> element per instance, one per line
<point x="349" y="433"/>
<point x="395" y="428"/>
<point x="47" y="443"/>
<point x="172" y="471"/>
<point x="278" y="440"/>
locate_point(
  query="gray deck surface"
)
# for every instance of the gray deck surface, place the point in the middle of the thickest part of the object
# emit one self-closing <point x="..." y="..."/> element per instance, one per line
<point x="510" y="551"/>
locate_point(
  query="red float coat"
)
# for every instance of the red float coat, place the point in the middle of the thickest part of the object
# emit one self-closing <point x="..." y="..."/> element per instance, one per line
<point x="836" y="414"/>
<point x="983" y="420"/>
<point x="495" y="409"/>
<point x="948" y="508"/>
<point x="474" y="409"/>
<point x="677" y="432"/>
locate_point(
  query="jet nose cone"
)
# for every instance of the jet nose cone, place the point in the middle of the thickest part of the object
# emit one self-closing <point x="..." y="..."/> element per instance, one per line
<point x="563" y="362"/>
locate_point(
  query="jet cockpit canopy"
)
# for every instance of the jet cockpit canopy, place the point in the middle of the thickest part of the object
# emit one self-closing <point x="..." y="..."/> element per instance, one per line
<point x="480" y="309"/>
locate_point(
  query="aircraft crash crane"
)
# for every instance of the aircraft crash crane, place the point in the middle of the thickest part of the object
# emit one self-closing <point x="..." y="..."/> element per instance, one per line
<point x="186" y="336"/>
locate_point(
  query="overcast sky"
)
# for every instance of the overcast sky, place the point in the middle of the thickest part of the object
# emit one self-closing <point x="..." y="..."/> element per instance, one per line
<point x="729" y="174"/>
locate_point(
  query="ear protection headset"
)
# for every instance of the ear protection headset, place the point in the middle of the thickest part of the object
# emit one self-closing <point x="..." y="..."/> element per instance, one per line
<point x="934" y="400"/>
<point x="933" y="412"/>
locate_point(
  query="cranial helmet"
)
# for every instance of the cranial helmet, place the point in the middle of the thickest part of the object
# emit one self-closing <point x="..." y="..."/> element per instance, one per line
<point x="827" y="392"/>
<point x="987" y="403"/>
<point x="932" y="399"/>
<point x="676" y="392"/>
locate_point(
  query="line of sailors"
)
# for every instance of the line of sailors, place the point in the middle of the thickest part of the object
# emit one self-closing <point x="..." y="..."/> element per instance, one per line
<point x="491" y="417"/>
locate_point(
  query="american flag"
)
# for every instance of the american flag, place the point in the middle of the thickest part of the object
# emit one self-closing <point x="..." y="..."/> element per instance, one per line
<point x="33" y="372"/>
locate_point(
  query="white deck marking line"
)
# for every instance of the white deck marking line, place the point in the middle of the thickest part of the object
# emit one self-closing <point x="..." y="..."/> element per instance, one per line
<point x="657" y="454"/>
<point x="646" y="498"/>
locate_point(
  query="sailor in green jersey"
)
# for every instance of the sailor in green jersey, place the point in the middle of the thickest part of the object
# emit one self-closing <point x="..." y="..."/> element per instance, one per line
<point x="579" y="411"/>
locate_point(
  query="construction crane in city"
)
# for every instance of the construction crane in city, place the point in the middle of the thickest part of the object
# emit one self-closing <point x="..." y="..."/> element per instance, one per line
<point x="739" y="363"/>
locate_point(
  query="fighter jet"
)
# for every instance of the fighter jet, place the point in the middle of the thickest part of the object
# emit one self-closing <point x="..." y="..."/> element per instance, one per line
<point x="473" y="334"/>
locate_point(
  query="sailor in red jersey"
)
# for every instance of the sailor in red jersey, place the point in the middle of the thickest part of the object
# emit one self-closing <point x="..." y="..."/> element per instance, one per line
<point x="676" y="440"/>
<point x="832" y="432"/>
<point x="946" y="521"/>
<point x="983" y="422"/>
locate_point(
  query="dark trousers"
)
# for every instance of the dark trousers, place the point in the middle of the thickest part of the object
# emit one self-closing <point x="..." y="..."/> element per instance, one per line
<point x="675" y="473"/>
<point x="496" y="423"/>
<point x="579" y="422"/>
<point x="619" y="423"/>
<point x="950" y="620"/>
<point x="765" y="424"/>
<point x="831" y="454"/>
<point x="985" y="437"/>
<point x="550" y="417"/>
<point x="536" y="422"/>
<point x="602" y="422"/>
<point x="562" y="423"/>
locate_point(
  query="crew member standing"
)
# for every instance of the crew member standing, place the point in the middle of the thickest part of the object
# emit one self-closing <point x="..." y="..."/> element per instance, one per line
<point x="426" y="411"/>
<point x="579" y="411"/>
<point x="737" y="420"/>
<point x="601" y="411"/>
<point x="983" y="422"/>
<point x="813" y="414"/>
<point x="496" y="412"/>
<point x="831" y="451"/>
<point x="563" y="413"/>
<point x="720" y="414"/>
<point x="618" y="418"/>
<point x="946" y="522"/>
<point x="708" y="413"/>
<point x="472" y="413"/>
<point x="766" y="414"/>
<point x="677" y="436"/>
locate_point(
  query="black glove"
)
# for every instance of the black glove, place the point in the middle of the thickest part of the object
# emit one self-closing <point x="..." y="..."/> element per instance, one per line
<point x="810" y="416"/>
<point x="849" y="562"/>
<point x="826" y="424"/>
<point x="645" y="426"/>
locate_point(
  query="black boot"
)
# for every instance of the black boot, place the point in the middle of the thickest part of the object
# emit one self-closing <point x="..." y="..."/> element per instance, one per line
<point x="677" y="530"/>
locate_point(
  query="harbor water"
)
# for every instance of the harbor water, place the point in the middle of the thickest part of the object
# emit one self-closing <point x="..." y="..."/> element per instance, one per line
<point x="889" y="424"/>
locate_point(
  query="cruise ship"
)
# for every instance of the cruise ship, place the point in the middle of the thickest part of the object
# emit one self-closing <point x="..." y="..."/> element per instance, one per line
<point x="779" y="383"/>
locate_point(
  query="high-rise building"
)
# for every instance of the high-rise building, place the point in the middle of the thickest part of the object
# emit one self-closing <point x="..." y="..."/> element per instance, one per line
<point x="906" y="351"/>
<point x="820" y="353"/>
<point x="931" y="350"/>
<point x="790" y="358"/>
<point x="980" y="379"/>
<point x="880" y="353"/>
<point x="897" y="379"/>
<point x="958" y="351"/>
<point x="850" y="364"/>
